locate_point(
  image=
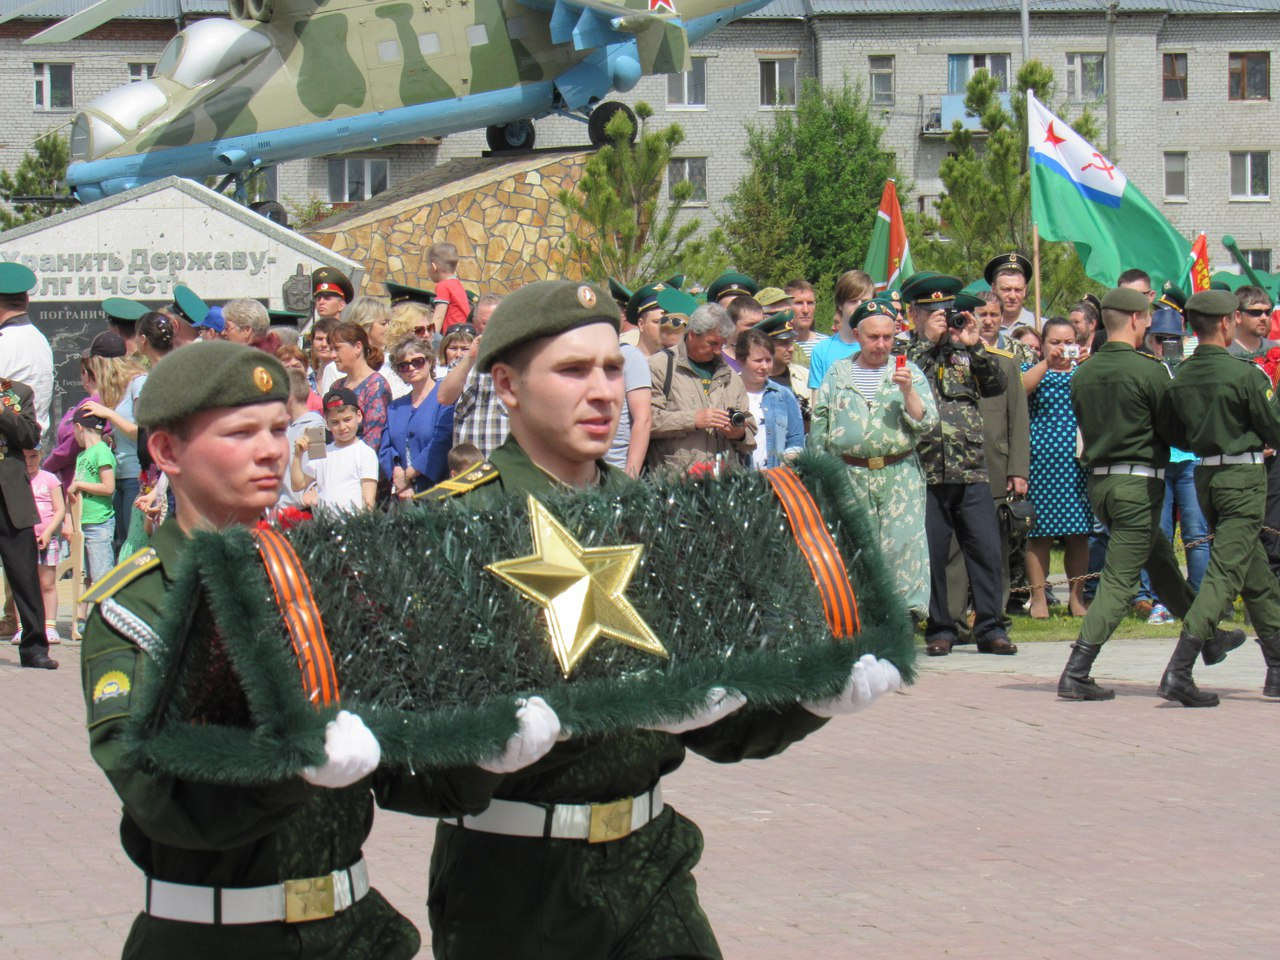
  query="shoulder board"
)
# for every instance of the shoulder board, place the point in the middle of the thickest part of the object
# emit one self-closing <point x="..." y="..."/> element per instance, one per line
<point x="456" y="486"/>
<point x="1149" y="356"/>
<point x="121" y="575"/>
<point x="999" y="352"/>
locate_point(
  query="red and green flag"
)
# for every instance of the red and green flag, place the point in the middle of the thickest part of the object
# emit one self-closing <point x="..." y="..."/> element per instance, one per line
<point x="889" y="256"/>
<point x="1199" y="267"/>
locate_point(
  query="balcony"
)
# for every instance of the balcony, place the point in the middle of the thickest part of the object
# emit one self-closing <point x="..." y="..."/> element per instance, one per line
<point x="940" y="111"/>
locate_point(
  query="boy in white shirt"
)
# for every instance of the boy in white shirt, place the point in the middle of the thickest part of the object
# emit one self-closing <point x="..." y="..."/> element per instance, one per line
<point x="346" y="478"/>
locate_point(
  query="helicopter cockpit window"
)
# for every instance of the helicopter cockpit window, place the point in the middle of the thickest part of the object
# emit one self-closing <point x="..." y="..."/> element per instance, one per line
<point x="208" y="49"/>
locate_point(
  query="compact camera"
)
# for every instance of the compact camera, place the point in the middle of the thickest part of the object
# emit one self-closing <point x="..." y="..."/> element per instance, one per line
<point x="1071" y="351"/>
<point x="957" y="319"/>
<point x="737" y="418"/>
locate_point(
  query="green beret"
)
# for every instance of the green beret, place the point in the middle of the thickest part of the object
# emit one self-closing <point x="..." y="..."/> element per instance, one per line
<point x="15" y="278"/>
<point x="1212" y="303"/>
<point x="209" y="376"/>
<point x="873" y="308"/>
<point x="1173" y="296"/>
<point x="1126" y="300"/>
<point x="646" y="298"/>
<point x="931" y="289"/>
<point x="332" y="280"/>
<point x="677" y="306"/>
<point x="189" y="304"/>
<point x="400" y="292"/>
<point x="544" y="308"/>
<point x="124" y="309"/>
<point x="777" y="326"/>
<point x="738" y="284"/>
<point x="1014" y="260"/>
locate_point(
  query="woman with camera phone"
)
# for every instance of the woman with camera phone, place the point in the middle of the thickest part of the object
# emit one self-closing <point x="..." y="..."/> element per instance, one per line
<point x="1057" y="482"/>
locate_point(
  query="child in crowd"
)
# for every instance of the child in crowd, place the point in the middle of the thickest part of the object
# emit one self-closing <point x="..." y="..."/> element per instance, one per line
<point x="301" y="416"/>
<point x="463" y="457"/>
<point x="52" y="509"/>
<point x="346" y="477"/>
<point x="95" y="484"/>
<point x="451" y="304"/>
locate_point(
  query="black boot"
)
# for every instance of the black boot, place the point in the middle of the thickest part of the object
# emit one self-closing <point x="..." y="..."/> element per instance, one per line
<point x="1177" y="683"/>
<point x="1223" y="642"/>
<point x="1271" y="653"/>
<point x="1075" y="682"/>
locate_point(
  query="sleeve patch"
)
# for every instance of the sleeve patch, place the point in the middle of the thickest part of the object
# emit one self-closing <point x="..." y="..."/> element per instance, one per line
<point x="108" y="691"/>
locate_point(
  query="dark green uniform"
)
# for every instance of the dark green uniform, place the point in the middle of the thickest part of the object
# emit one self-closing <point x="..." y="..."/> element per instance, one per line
<point x="1118" y="396"/>
<point x="1223" y="405"/>
<point x="494" y="896"/>
<point x="205" y="835"/>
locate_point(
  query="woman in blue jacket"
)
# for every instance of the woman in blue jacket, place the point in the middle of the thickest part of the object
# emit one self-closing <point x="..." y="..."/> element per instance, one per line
<point x="414" y="449"/>
<point x="780" y="433"/>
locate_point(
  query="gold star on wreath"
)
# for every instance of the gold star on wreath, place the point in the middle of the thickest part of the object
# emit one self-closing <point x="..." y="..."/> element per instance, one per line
<point x="580" y="589"/>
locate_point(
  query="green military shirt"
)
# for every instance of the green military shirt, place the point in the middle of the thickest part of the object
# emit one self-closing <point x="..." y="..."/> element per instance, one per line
<point x="1221" y="404"/>
<point x="1119" y="396"/>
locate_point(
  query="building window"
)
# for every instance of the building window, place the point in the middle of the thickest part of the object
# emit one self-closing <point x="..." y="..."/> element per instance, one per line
<point x="52" y="86"/>
<point x="1086" y="76"/>
<point x="357" y="179"/>
<point x="1258" y="259"/>
<point x="1249" y="76"/>
<point x="693" y="169"/>
<point x="881" y="81"/>
<point x="688" y="88"/>
<point x="1175" y="76"/>
<point x="1251" y="175"/>
<point x="141" y="71"/>
<point x="1175" y="176"/>
<point x="778" y="83"/>
<point x="960" y="67"/>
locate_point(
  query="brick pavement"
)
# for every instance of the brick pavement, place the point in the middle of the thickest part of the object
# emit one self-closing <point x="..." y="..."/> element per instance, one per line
<point x="973" y="816"/>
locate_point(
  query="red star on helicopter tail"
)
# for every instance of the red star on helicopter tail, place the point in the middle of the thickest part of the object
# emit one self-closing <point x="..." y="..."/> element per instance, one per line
<point x="659" y="6"/>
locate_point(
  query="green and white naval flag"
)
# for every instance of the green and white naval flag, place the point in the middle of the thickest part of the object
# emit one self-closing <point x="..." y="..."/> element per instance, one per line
<point x="1079" y="195"/>
<point x="888" y="260"/>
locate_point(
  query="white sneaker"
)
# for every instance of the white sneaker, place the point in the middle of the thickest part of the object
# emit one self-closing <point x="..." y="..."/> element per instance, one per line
<point x="51" y="636"/>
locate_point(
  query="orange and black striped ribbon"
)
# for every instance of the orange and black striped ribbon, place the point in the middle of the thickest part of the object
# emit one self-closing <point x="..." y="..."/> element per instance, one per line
<point x="301" y="616"/>
<point x="819" y="549"/>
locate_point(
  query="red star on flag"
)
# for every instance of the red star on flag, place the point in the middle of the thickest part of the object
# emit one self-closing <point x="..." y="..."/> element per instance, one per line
<point x="1050" y="137"/>
<point x="657" y="6"/>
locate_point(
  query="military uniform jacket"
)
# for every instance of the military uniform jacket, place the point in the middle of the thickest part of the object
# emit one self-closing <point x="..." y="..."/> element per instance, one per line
<point x="952" y="452"/>
<point x="847" y="425"/>
<point x="18" y="431"/>
<point x="1120" y="397"/>
<point x="1221" y="404"/>
<point x="1006" y="424"/>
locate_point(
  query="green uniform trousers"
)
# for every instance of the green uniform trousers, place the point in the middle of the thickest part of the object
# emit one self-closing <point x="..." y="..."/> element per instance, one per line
<point x="493" y="897"/>
<point x="1130" y="508"/>
<point x="1234" y="498"/>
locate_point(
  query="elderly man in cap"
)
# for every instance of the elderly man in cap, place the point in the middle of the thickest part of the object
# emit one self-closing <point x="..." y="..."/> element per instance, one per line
<point x="25" y="354"/>
<point x="1225" y="412"/>
<point x="552" y="351"/>
<point x="1008" y="276"/>
<point x="961" y="372"/>
<point x="1120" y="399"/>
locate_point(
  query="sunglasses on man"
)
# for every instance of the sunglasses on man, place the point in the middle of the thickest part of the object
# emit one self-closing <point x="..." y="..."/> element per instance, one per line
<point x="1258" y="312"/>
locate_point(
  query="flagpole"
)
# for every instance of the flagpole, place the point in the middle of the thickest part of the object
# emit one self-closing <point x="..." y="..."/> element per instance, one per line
<point x="1035" y="267"/>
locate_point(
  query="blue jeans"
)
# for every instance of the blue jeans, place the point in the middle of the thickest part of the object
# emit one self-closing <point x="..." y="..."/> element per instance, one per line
<point x="1180" y="494"/>
<point x="122" y="501"/>
<point x="98" y="552"/>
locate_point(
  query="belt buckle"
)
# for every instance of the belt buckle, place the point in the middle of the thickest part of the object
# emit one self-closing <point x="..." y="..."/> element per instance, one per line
<point x="309" y="899"/>
<point x="875" y="463"/>
<point x="610" y="821"/>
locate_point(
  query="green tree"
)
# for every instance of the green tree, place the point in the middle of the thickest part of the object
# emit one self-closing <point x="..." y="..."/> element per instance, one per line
<point x="986" y="209"/>
<point x="39" y="174"/>
<point x="807" y="205"/>
<point x="630" y="234"/>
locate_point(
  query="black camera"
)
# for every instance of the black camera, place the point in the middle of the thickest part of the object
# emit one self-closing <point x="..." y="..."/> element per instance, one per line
<point x="957" y="319"/>
<point x="737" y="418"/>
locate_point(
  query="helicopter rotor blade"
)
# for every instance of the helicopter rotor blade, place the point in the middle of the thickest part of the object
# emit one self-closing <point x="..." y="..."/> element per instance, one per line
<point x="84" y="21"/>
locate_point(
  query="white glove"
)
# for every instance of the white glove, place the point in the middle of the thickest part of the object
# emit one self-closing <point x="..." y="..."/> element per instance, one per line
<point x="719" y="704"/>
<point x="352" y="751"/>
<point x="870" y="678"/>
<point x="538" y="729"/>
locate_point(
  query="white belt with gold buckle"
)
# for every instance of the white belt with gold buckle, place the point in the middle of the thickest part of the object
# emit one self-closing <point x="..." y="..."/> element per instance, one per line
<point x="593" y="822"/>
<point x="292" y="901"/>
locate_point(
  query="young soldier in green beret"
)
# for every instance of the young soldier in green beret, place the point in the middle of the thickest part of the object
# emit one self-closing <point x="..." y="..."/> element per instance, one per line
<point x="1225" y="411"/>
<point x="1119" y="397"/>
<point x="523" y="879"/>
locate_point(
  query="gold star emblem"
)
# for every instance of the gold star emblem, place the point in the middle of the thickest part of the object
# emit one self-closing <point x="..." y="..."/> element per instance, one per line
<point x="580" y="589"/>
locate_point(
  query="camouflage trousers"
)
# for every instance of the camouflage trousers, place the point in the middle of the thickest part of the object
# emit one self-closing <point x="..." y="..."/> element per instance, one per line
<point x="894" y="500"/>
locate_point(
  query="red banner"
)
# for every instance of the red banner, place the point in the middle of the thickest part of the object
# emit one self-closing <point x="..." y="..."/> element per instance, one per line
<point x="1200" y="264"/>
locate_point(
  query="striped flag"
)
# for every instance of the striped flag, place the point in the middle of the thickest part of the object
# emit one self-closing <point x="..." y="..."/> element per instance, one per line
<point x="889" y="256"/>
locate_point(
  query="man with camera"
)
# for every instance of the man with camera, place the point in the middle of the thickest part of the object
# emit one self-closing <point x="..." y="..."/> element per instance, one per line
<point x="949" y="351"/>
<point x="695" y="397"/>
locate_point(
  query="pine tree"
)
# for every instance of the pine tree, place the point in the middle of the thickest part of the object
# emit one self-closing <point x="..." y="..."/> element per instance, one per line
<point x="38" y="174"/>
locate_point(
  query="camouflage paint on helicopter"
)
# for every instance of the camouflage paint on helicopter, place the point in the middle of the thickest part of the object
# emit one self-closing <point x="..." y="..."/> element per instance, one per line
<point x="288" y="79"/>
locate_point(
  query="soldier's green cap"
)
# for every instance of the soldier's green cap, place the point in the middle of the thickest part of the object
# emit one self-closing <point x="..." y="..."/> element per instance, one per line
<point x="768" y="296"/>
<point x="124" y="309"/>
<point x="677" y="306"/>
<point x="777" y="326"/>
<point x="1218" y="285"/>
<point x="285" y="318"/>
<point x="1126" y="300"/>
<point x="332" y="280"/>
<point x="931" y="289"/>
<point x="1173" y="296"/>
<point x="544" y="308"/>
<point x="189" y="304"/>
<point x="209" y="376"/>
<point x="1212" y="303"/>
<point x="738" y="284"/>
<point x="873" y="308"/>
<point x="400" y="292"/>
<point x="15" y="278"/>
<point x="676" y="280"/>
<point x="646" y="298"/>
<point x="967" y="301"/>
<point x="621" y="295"/>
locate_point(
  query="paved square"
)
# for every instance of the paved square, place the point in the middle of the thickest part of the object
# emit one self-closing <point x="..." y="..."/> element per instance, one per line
<point x="974" y="815"/>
